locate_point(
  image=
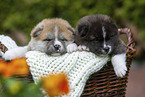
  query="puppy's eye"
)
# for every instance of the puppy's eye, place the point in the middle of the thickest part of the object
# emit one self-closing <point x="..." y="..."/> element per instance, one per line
<point x="92" y="39"/>
<point x="113" y="35"/>
<point x="63" y="40"/>
<point x="99" y="39"/>
<point x="47" y="39"/>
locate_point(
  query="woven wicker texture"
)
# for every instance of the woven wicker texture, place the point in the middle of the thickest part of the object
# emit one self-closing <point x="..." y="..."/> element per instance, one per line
<point x="105" y="83"/>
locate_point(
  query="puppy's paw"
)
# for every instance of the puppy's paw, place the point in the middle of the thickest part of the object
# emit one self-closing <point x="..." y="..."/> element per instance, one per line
<point x="82" y="47"/>
<point x="71" y="47"/>
<point x="120" y="71"/>
<point x="119" y="64"/>
<point x="9" y="55"/>
<point x="15" y="53"/>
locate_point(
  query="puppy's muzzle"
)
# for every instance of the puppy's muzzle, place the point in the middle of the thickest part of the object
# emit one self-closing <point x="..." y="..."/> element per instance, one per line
<point x="57" y="47"/>
<point x="107" y="49"/>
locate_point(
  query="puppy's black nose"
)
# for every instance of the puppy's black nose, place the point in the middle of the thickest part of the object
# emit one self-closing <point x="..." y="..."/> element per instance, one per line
<point x="57" y="46"/>
<point x="106" y="49"/>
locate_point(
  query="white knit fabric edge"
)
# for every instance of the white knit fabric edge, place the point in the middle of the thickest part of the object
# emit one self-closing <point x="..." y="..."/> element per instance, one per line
<point x="8" y="42"/>
<point x="77" y="65"/>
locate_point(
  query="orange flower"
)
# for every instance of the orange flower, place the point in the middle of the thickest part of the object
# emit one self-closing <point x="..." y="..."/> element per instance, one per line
<point x="20" y="66"/>
<point x="2" y="66"/>
<point x="55" y="85"/>
<point x="14" y="67"/>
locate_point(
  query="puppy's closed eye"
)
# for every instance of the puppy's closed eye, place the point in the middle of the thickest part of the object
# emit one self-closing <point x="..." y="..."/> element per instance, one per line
<point x="64" y="39"/>
<point x="113" y="35"/>
<point x="47" y="40"/>
<point x="92" y="37"/>
<point x="95" y="39"/>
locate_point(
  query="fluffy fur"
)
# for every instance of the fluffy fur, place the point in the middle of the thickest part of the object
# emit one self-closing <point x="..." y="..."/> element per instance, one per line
<point x="51" y="36"/>
<point x="99" y="34"/>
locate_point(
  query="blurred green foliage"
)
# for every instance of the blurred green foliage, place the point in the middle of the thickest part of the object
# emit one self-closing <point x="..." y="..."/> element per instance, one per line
<point x="25" y="14"/>
<point x="12" y="87"/>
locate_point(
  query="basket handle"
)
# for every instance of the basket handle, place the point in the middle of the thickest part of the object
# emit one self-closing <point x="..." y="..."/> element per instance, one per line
<point x="131" y="50"/>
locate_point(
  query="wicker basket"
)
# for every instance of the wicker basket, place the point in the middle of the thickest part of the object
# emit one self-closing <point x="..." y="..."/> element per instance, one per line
<point x="104" y="83"/>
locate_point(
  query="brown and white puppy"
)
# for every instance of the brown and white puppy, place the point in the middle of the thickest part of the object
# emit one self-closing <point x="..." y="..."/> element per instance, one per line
<point x="51" y="36"/>
<point x="99" y="34"/>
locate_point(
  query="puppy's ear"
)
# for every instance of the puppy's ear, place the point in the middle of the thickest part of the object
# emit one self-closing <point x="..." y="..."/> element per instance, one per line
<point x="38" y="29"/>
<point x="83" y="28"/>
<point x="71" y="30"/>
<point x="37" y="32"/>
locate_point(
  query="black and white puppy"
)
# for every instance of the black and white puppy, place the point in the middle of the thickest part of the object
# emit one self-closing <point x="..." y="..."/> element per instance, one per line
<point x="99" y="34"/>
<point x="51" y="36"/>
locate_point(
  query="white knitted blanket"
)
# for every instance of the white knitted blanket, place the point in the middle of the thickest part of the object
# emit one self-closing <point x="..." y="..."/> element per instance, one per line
<point x="78" y="66"/>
